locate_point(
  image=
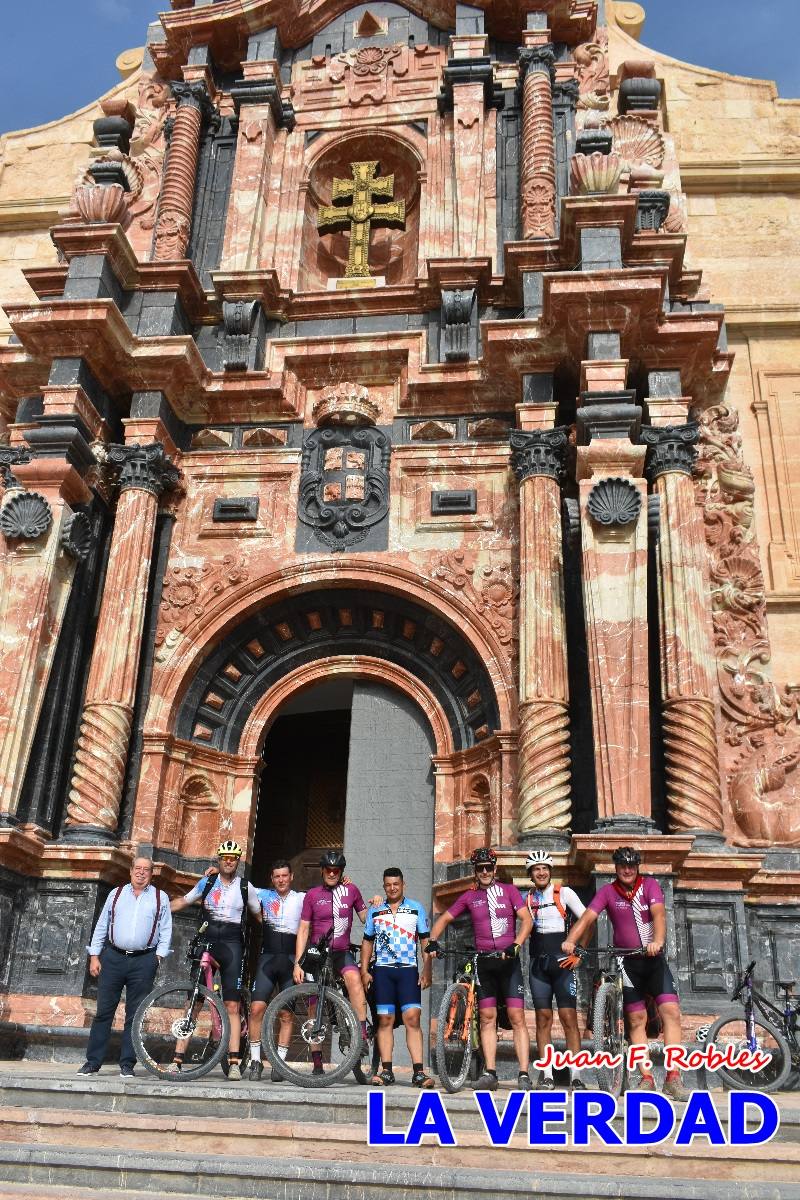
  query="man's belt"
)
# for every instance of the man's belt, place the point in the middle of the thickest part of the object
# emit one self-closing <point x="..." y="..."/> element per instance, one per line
<point x="133" y="953"/>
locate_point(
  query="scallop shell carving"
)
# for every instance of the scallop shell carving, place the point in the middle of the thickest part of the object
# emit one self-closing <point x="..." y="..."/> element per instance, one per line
<point x="76" y="536"/>
<point x="614" y="502"/>
<point x="636" y="142"/>
<point x="26" y="515"/>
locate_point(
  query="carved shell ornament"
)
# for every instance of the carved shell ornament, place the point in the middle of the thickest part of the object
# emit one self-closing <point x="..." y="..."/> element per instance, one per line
<point x="76" y="536"/>
<point x="636" y="142"/>
<point x="26" y="515"/>
<point x="614" y="502"/>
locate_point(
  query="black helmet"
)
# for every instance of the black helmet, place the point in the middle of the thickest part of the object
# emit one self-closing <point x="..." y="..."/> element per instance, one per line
<point x="483" y="857"/>
<point x="333" y="858"/>
<point x="626" y="856"/>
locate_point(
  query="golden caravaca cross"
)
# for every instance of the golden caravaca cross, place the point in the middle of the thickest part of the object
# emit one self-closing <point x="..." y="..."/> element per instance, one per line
<point x="359" y="215"/>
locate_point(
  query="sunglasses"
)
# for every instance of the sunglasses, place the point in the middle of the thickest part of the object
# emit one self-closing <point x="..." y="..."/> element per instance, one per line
<point x="486" y="870"/>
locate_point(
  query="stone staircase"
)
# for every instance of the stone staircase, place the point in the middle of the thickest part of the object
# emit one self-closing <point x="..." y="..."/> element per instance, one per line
<point x="70" y="1138"/>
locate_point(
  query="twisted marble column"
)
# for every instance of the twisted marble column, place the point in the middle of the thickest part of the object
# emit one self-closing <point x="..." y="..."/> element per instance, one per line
<point x="538" y="179"/>
<point x="102" y="750"/>
<point x="174" y="223"/>
<point x="694" y="792"/>
<point x="544" y="761"/>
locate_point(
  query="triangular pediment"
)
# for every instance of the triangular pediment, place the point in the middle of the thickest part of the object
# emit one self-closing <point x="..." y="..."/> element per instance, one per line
<point x="370" y="26"/>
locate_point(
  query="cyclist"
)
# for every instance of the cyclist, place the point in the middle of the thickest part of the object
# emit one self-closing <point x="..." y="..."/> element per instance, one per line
<point x="225" y="901"/>
<point x="552" y="974"/>
<point x="393" y="928"/>
<point x="280" y="908"/>
<point x="493" y="908"/>
<point x="328" y="910"/>
<point x="635" y="907"/>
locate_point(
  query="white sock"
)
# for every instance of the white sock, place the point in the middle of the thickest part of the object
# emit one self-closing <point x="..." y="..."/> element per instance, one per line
<point x="548" y="1072"/>
<point x="255" y="1052"/>
<point x="282" y="1052"/>
<point x="574" y="1073"/>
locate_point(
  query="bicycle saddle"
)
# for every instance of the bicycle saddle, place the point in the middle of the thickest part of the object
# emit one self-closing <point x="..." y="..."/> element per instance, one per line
<point x="786" y="985"/>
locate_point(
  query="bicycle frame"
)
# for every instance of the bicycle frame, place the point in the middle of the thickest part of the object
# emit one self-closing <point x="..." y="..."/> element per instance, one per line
<point x="784" y="1019"/>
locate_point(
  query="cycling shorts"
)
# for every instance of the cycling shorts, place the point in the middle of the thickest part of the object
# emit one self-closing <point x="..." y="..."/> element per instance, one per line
<point x="343" y="961"/>
<point x="547" y="978"/>
<point x="500" y="978"/>
<point x="226" y="947"/>
<point x="396" y="987"/>
<point x="274" y="972"/>
<point x="643" y="976"/>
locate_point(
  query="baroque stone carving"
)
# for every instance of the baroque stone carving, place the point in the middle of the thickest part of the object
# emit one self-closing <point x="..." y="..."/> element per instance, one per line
<point x="652" y="209"/>
<point x="173" y="224"/>
<point x="538" y="452"/>
<point x="595" y="173"/>
<point x="593" y="79"/>
<point x="538" y="182"/>
<point x="25" y="515"/>
<point x="76" y="536"/>
<point x="760" y="737"/>
<point x="637" y="142"/>
<point x="490" y="589"/>
<point x="12" y="456"/>
<point x="670" y="448"/>
<point x="148" y="468"/>
<point x="344" y="484"/>
<point x="614" y="501"/>
<point x="345" y="404"/>
<point x="187" y="592"/>
<point x="96" y="202"/>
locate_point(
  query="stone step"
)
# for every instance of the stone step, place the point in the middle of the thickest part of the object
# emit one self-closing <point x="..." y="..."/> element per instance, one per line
<point x="33" y="1191"/>
<point x="225" y="1136"/>
<point x="243" y="1178"/>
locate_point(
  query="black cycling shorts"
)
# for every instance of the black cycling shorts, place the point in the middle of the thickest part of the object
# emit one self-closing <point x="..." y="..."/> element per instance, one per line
<point x="500" y="978"/>
<point x="226" y="948"/>
<point x="274" y="972"/>
<point x="643" y="976"/>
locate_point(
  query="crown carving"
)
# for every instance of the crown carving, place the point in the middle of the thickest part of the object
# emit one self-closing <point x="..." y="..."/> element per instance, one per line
<point x="345" y="404"/>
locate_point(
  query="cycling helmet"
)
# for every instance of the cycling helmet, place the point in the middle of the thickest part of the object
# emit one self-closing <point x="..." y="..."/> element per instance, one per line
<point x="334" y="859"/>
<point x="626" y="856"/>
<point x="483" y="857"/>
<point x="229" y="847"/>
<point x="538" y="858"/>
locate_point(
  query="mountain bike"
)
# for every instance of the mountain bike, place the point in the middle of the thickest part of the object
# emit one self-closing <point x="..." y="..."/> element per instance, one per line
<point x="458" y="1043"/>
<point x="188" y="1019"/>
<point x="608" y="1021"/>
<point x="774" y="1030"/>
<point x="326" y="1039"/>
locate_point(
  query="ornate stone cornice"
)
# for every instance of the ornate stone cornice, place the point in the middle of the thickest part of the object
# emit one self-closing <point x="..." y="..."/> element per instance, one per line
<point x="264" y="91"/>
<point x="146" y="468"/>
<point x="670" y="448"/>
<point x="537" y="58"/>
<point x="538" y="452"/>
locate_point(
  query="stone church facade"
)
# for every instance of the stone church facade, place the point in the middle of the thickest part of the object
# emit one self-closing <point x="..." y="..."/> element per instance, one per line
<point x="377" y="471"/>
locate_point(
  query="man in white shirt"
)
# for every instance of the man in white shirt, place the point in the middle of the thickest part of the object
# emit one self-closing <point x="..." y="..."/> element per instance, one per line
<point x="280" y="907"/>
<point x="131" y="937"/>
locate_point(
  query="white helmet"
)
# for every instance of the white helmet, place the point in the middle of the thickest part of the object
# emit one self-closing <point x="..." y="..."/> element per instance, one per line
<point x="538" y="858"/>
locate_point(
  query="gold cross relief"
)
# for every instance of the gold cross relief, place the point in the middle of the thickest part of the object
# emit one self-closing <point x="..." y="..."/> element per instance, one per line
<point x="360" y="214"/>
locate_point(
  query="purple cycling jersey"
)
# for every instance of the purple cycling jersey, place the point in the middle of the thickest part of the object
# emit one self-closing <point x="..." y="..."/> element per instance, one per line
<point x="493" y="911"/>
<point x="332" y="908"/>
<point x="631" y="921"/>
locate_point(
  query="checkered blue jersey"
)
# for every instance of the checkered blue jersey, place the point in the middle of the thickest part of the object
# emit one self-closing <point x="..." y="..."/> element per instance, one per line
<point x="395" y="933"/>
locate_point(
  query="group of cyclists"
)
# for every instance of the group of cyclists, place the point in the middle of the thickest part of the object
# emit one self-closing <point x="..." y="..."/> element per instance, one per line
<point x="397" y="927"/>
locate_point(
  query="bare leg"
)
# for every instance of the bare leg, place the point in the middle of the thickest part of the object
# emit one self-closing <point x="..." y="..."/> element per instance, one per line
<point x="488" y="1020"/>
<point x="522" y="1041"/>
<point x="411" y="1018"/>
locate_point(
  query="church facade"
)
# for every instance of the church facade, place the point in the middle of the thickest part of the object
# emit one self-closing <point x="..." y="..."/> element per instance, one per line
<point x="372" y="476"/>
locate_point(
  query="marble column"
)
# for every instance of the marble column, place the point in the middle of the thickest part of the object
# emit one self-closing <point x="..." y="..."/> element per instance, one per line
<point x="537" y="458"/>
<point x="694" y="790"/>
<point x="174" y="223"/>
<point x="538" y="178"/>
<point x="102" y="750"/>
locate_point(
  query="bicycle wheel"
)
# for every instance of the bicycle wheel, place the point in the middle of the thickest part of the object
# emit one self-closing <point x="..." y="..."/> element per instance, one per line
<point x="609" y="1036"/>
<point x="321" y="1051"/>
<point x="732" y="1032"/>
<point x="454" y="1037"/>
<point x="173" y="1016"/>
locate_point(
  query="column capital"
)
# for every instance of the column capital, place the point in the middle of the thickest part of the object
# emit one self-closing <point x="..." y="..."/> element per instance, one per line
<point x="670" y="448"/>
<point x="193" y="95"/>
<point x="538" y="452"/>
<point x="12" y="456"/>
<point x="146" y="468"/>
<point x="537" y="59"/>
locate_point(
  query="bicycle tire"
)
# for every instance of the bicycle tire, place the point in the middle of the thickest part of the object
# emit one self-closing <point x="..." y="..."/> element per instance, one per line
<point x="732" y="1030"/>
<point x="608" y="1033"/>
<point x="349" y="1040"/>
<point x="453" y="1055"/>
<point x="150" y="1038"/>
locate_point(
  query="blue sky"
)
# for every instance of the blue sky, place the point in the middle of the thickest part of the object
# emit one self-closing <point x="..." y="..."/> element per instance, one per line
<point x="57" y="55"/>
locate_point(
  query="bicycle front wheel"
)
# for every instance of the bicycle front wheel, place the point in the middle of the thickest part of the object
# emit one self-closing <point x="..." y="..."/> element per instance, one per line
<point x="454" y="1037"/>
<point x="180" y="1019"/>
<point x="324" y="1044"/>
<point x="732" y="1032"/>
<point x="609" y="1037"/>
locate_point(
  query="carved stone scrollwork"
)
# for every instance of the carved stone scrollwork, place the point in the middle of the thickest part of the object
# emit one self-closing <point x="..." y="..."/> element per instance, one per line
<point x="651" y="212"/>
<point x="12" y="456"/>
<point x="538" y="452"/>
<point x="538" y="176"/>
<point x="344" y="484"/>
<point x="345" y="404"/>
<point x="76" y="536"/>
<point x="457" y="314"/>
<point x="25" y="516"/>
<point x="239" y="317"/>
<point x="147" y="468"/>
<point x="670" y="448"/>
<point x="571" y="521"/>
<point x="593" y="77"/>
<point x="614" y="501"/>
<point x="489" y="588"/>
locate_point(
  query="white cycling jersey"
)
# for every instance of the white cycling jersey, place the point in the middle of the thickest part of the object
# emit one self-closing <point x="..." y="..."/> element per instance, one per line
<point x="547" y="918"/>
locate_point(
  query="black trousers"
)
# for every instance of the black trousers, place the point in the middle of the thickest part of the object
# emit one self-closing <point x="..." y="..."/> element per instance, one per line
<point x="133" y="973"/>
